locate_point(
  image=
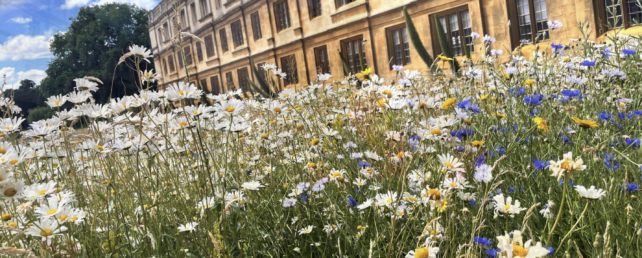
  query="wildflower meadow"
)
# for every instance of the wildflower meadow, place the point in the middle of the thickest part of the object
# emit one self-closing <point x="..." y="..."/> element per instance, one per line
<point x="511" y="156"/>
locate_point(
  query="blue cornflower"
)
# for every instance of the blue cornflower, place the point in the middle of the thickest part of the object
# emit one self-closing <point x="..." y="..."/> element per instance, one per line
<point x="631" y="187"/>
<point x="610" y="162"/>
<point x="482" y="241"/>
<point x="463" y="133"/>
<point x="492" y="252"/>
<point x="588" y="63"/>
<point x="621" y="115"/>
<point x="467" y="104"/>
<point x="501" y="150"/>
<point x="516" y="92"/>
<point x="480" y="160"/>
<point x="512" y="190"/>
<point x="607" y="53"/>
<point x="571" y="183"/>
<point x="352" y="202"/>
<point x="551" y="251"/>
<point x="249" y="173"/>
<point x="605" y="116"/>
<point x="472" y="203"/>
<point x="304" y="197"/>
<point x="557" y="46"/>
<point x="635" y="142"/>
<point x="460" y="148"/>
<point x="572" y="93"/>
<point x="628" y="52"/>
<point x="540" y="164"/>
<point x="363" y="164"/>
<point x="534" y="100"/>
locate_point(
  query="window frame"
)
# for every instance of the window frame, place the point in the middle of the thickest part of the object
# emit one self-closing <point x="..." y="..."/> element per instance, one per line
<point x="346" y="54"/>
<point x="183" y="16"/>
<point x="199" y="51"/>
<point x="262" y="72"/>
<point x="243" y="77"/>
<point x="204" y="10"/>
<point x="215" y="86"/>
<point x="255" y="19"/>
<point x="165" y="32"/>
<point x="194" y="18"/>
<point x="513" y="15"/>
<point x="229" y="80"/>
<point x="209" y="48"/>
<point x="172" y="65"/>
<point x="203" y="83"/>
<point x="237" y="33"/>
<point x="323" y="65"/>
<point x="340" y="3"/>
<point x="436" y="47"/>
<point x="281" y="16"/>
<point x="601" y="15"/>
<point x="292" y="76"/>
<point x="315" y="8"/>
<point x="223" y="38"/>
<point x="188" y="55"/>
<point x="391" y="45"/>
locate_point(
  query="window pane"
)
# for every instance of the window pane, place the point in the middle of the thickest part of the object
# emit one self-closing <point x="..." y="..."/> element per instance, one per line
<point x="468" y="40"/>
<point x="614" y="12"/>
<point x="406" y="45"/>
<point x="541" y="18"/>
<point x="454" y="34"/>
<point x="524" y="21"/>
<point x="396" y="47"/>
<point x="635" y="12"/>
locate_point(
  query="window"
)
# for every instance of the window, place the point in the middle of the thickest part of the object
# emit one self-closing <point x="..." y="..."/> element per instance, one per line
<point x="188" y="55"/>
<point x="256" y="25"/>
<point x="218" y="4"/>
<point x="199" y="51"/>
<point x="398" y="46"/>
<point x="183" y="20"/>
<point x="165" y="71"/>
<point x="160" y="36"/>
<point x="204" y="9"/>
<point x="456" y="24"/>
<point x="354" y="53"/>
<point x="179" y="57"/>
<point x="288" y="64"/>
<point x="531" y="20"/>
<point x="616" y="13"/>
<point x="262" y="72"/>
<point x="229" y="81"/>
<point x="192" y="7"/>
<point x="340" y="3"/>
<point x="282" y="15"/>
<point x="170" y="60"/>
<point x="244" y="80"/>
<point x="209" y="46"/>
<point x="223" y="37"/>
<point x="216" y="88"/>
<point x="237" y="34"/>
<point x="314" y="7"/>
<point x="321" y="60"/>
<point x="165" y="32"/>
<point x="203" y="83"/>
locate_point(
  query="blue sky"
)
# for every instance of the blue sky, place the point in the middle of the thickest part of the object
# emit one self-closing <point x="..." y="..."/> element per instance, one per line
<point x="26" y="26"/>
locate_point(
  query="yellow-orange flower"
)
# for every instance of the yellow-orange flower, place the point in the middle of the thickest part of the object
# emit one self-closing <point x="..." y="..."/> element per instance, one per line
<point x="477" y="143"/>
<point x="500" y="115"/>
<point x="483" y="97"/>
<point x="444" y="58"/>
<point x="529" y="82"/>
<point x="585" y="123"/>
<point x="541" y="123"/>
<point x="367" y="71"/>
<point x="448" y="103"/>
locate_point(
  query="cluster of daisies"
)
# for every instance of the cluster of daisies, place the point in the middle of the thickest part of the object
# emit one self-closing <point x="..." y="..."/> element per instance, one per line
<point x="417" y="165"/>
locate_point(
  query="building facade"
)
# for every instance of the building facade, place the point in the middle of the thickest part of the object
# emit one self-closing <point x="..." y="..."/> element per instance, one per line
<point x="306" y="37"/>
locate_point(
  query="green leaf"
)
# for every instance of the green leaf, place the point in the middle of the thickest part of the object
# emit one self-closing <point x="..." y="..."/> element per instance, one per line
<point x="416" y="41"/>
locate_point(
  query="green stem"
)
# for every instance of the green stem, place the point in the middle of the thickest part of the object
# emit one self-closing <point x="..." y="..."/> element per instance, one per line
<point x="573" y="227"/>
<point x="559" y="214"/>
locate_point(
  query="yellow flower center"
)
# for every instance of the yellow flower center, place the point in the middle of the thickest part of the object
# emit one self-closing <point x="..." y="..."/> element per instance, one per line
<point x="422" y="253"/>
<point x="13" y="161"/>
<point x="42" y="192"/>
<point x="507" y="207"/>
<point x="99" y="147"/>
<point x="449" y="165"/>
<point x="180" y="92"/>
<point x="46" y="232"/>
<point x="52" y="211"/>
<point x="10" y="192"/>
<point x="63" y="217"/>
<point x="435" y="132"/>
<point x="314" y="142"/>
<point x="567" y="165"/>
<point x="182" y="124"/>
<point x="74" y="218"/>
<point x="389" y="200"/>
<point x="57" y="102"/>
<point x="6" y="217"/>
<point x="3" y="150"/>
<point x="387" y="93"/>
<point x="434" y="194"/>
<point x="230" y="109"/>
<point x="336" y="174"/>
<point x="13" y="225"/>
<point x="453" y="184"/>
<point x="520" y="251"/>
<point x="277" y="109"/>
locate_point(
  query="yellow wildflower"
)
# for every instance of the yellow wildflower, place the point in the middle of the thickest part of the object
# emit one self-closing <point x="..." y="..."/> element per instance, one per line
<point x="585" y="123"/>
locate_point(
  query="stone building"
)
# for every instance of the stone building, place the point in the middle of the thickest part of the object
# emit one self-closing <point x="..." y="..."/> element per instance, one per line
<point x="304" y="37"/>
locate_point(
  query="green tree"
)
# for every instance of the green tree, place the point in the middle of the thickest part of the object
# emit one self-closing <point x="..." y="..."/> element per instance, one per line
<point x="92" y="46"/>
<point x="26" y="96"/>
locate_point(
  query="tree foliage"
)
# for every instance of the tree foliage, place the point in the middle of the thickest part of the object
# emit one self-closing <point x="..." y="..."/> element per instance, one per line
<point x="416" y="41"/>
<point x="97" y="37"/>
<point x="26" y="96"/>
<point x="445" y="46"/>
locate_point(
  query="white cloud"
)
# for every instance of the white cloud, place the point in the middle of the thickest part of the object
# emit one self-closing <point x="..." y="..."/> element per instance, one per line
<point x="145" y="4"/>
<point x="9" y="3"/>
<point x="21" y="20"/>
<point x="25" y="47"/>
<point x="70" y="4"/>
<point x="13" y="79"/>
